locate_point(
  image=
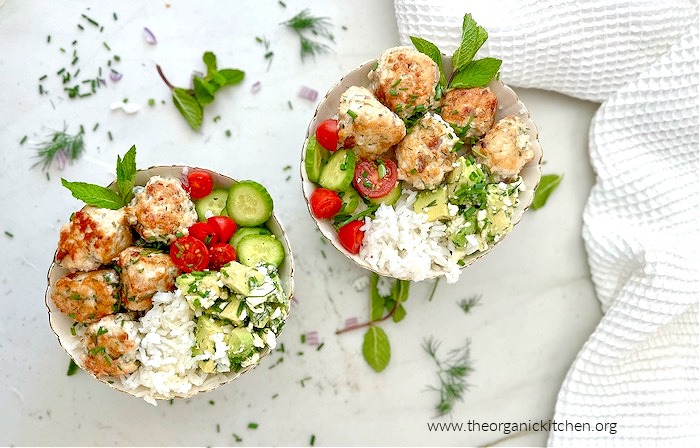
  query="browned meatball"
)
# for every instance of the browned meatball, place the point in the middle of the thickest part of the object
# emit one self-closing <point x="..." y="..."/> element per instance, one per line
<point x="405" y="80"/>
<point x="143" y="273"/>
<point x="161" y="210"/>
<point x="93" y="237"/>
<point x="87" y="296"/>
<point x="111" y="345"/>
<point x="475" y="108"/>
<point x="505" y="149"/>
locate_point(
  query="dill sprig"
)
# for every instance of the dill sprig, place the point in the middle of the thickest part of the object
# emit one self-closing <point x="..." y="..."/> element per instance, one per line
<point x="468" y="304"/>
<point x="59" y="147"/>
<point x="318" y="26"/>
<point x="452" y="374"/>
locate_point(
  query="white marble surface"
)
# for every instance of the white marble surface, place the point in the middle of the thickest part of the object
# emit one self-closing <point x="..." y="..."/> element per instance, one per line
<point x="538" y="303"/>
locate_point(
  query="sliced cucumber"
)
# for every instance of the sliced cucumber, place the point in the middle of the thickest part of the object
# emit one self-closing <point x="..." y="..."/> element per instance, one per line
<point x="214" y="204"/>
<point x="390" y="198"/>
<point x="253" y="249"/>
<point x="351" y="199"/>
<point x="316" y="157"/>
<point x="244" y="232"/>
<point x="339" y="171"/>
<point x="249" y="203"/>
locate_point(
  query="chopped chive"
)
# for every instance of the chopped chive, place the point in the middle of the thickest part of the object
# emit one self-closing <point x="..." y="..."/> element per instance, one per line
<point x="218" y="428"/>
<point x="352" y="114"/>
<point x="269" y="54"/>
<point x="48" y="39"/>
<point x="303" y="380"/>
<point x="75" y="60"/>
<point x="275" y="396"/>
<point x="217" y="118"/>
<point x="90" y="20"/>
<point x="80" y="27"/>
<point x="282" y="4"/>
<point x="151" y="102"/>
<point x="74" y="42"/>
<point x="63" y="50"/>
<point x="114" y="14"/>
<point x="212" y="402"/>
<point x="102" y="29"/>
<point x="237" y="438"/>
<point x="106" y="46"/>
<point x="289" y="104"/>
<point x="320" y="346"/>
<point x="303" y="338"/>
<point x="117" y="58"/>
<point x="253" y="425"/>
<point x="75" y="75"/>
<point x="9" y="235"/>
<point x="287" y="168"/>
<point x="41" y="89"/>
<point x="42" y="78"/>
<point x="109" y="134"/>
<point x="94" y="128"/>
<point x="21" y="142"/>
<point x="228" y="132"/>
<point x="312" y="440"/>
<point x="72" y="368"/>
<point x="60" y="72"/>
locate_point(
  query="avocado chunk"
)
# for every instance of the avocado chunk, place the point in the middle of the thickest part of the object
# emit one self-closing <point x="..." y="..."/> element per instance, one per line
<point x="465" y="175"/>
<point x="241" y="279"/>
<point x="206" y="328"/>
<point x="230" y="312"/>
<point x="433" y="203"/>
<point x="240" y="346"/>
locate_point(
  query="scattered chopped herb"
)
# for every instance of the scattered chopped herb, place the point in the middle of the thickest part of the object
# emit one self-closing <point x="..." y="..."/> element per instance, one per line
<point x="289" y="104"/>
<point x="114" y="14"/>
<point x="60" y="147"/>
<point x="287" y="168"/>
<point x="320" y="346"/>
<point x="106" y="46"/>
<point x="212" y="403"/>
<point x="24" y="139"/>
<point x="452" y="374"/>
<point x="352" y="114"/>
<point x="217" y="118"/>
<point x="48" y="39"/>
<point x="312" y="441"/>
<point x="282" y="4"/>
<point x="93" y="22"/>
<point x="318" y="26"/>
<point x="468" y="304"/>
<point x="303" y="380"/>
<point x="237" y="438"/>
<point x="72" y="368"/>
<point x="218" y="428"/>
<point x="275" y="396"/>
<point x="303" y="338"/>
<point x="151" y="102"/>
<point x="252" y="425"/>
<point x="109" y="135"/>
<point x="94" y="128"/>
<point x="80" y="27"/>
<point x="228" y="132"/>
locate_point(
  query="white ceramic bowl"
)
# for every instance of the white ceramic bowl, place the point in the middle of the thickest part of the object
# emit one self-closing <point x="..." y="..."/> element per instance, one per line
<point x="61" y="324"/>
<point x="508" y="104"/>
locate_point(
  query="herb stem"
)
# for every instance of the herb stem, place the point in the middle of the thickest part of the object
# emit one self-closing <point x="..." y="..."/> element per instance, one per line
<point x="432" y="292"/>
<point x="162" y="76"/>
<point x="370" y="322"/>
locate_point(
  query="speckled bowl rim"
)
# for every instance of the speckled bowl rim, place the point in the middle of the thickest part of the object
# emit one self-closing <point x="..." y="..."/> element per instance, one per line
<point x="57" y="319"/>
<point x="507" y="101"/>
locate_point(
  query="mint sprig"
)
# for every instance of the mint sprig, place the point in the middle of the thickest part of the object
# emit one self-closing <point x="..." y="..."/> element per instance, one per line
<point x="476" y="73"/>
<point x="102" y="197"/>
<point x="473" y="37"/>
<point x="548" y="183"/>
<point x="191" y="102"/>
<point x="433" y="52"/>
<point x="376" y="348"/>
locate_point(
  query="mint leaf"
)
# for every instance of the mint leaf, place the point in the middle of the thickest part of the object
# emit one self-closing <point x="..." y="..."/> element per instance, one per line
<point x="94" y="195"/>
<point x="476" y="73"/>
<point x="203" y="91"/>
<point x="399" y="314"/>
<point x="376" y="349"/>
<point x="548" y="184"/>
<point x="209" y="59"/>
<point x="473" y="37"/>
<point x="126" y="172"/>
<point x="376" y="300"/>
<point x="188" y="107"/>
<point x="72" y="368"/>
<point x="433" y="52"/>
<point x="232" y="76"/>
<point x="400" y="290"/>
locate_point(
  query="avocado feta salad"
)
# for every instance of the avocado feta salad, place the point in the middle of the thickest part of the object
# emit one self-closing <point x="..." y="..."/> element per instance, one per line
<point x="418" y="175"/>
<point x="174" y="288"/>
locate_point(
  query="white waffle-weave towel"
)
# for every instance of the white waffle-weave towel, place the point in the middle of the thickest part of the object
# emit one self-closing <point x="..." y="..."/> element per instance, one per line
<point x="641" y="366"/>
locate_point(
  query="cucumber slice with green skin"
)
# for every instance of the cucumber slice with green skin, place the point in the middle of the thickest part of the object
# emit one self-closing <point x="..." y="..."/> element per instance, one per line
<point x="249" y="203"/>
<point x="390" y="198"/>
<point x="339" y="171"/>
<point x="214" y="203"/>
<point x="253" y="249"/>
<point x="316" y="157"/>
<point x="351" y="200"/>
<point x="244" y="232"/>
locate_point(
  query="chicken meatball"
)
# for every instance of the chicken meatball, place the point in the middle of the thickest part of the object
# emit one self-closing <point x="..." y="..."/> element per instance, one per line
<point x="427" y="153"/>
<point x="93" y="237"/>
<point x="111" y="345"/>
<point x="162" y="210"/>
<point x="471" y="109"/>
<point x="87" y="296"/>
<point x="143" y="273"/>
<point x="505" y="149"/>
<point x="404" y="80"/>
<point x="366" y="124"/>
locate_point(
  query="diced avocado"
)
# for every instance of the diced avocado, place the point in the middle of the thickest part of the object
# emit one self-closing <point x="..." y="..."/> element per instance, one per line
<point x="351" y="200"/>
<point x="241" y="279"/>
<point x="390" y="198"/>
<point x="499" y="214"/>
<point x="201" y="289"/>
<point x="231" y="311"/>
<point x="206" y="328"/>
<point x="240" y="345"/>
<point x="466" y="174"/>
<point x="433" y="203"/>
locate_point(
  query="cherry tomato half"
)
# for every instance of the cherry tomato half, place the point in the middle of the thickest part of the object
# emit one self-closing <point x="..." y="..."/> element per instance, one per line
<point x="375" y="178"/>
<point x="204" y="232"/>
<point x="224" y="227"/>
<point x="220" y="254"/>
<point x="200" y="184"/>
<point x="189" y="254"/>
<point x="327" y="134"/>
<point x="351" y="236"/>
<point x="325" y="203"/>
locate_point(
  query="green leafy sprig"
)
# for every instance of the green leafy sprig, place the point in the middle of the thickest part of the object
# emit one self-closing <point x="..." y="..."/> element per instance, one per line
<point x="452" y="374"/>
<point x="191" y="102"/>
<point x="303" y="23"/>
<point x="548" y="183"/>
<point x="102" y="197"/>
<point x="60" y="147"/>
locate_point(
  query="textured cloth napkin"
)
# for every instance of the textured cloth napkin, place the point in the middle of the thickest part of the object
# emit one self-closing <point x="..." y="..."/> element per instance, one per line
<point x="641" y="366"/>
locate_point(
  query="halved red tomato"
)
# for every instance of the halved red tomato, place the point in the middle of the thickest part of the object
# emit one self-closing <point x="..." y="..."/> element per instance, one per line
<point x="375" y="178"/>
<point x="224" y="227"/>
<point x="189" y="254"/>
<point x="325" y="203"/>
<point x="204" y="232"/>
<point x="350" y="236"/>
<point x="221" y="254"/>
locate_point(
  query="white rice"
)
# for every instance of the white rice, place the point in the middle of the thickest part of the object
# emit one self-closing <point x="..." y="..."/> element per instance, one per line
<point x="405" y="245"/>
<point x="165" y="352"/>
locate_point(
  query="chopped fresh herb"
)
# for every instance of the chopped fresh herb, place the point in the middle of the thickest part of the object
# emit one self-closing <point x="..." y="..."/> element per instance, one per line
<point x="312" y="440"/>
<point x="282" y="4"/>
<point x="252" y="426"/>
<point x="48" y="39"/>
<point x="93" y="22"/>
<point x="211" y="402"/>
<point x="237" y="438"/>
<point x="303" y="338"/>
<point x="352" y="114"/>
<point x="228" y="132"/>
<point x="289" y="104"/>
<point x="468" y="304"/>
<point x="151" y="102"/>
<point x="24" y="139"/>
<point x="320" y="346"/>
<point x="106" y="46"/>
<point x="218" y="428"/>
<point x="80" y="27"/>
<point x="72" y="368"/>
<point x="318" y="26"/>
<point x="303" y="380"/>
<point x="452" y="374"/>
<point x="109" y="135"/>
<point x="114" y="14"/>
<point x="8" y="234"/>
<point x="60" y="147"/>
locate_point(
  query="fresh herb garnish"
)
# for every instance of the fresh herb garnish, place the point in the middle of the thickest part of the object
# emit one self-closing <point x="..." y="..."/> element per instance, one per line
<point x="191" y="102"/>
<point x="60" y="147"/>
<point x="452" y="374"/>
<point x="468" y="304"/>
<point x="376" y="348"/>
<point x="102" y="197"/>
<point x="318" y="26"/>
<point x="548" y="183"/>
<point x="72" y="368"/>
<point x="340" y="220"/>
<point x="252" y="425"/>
